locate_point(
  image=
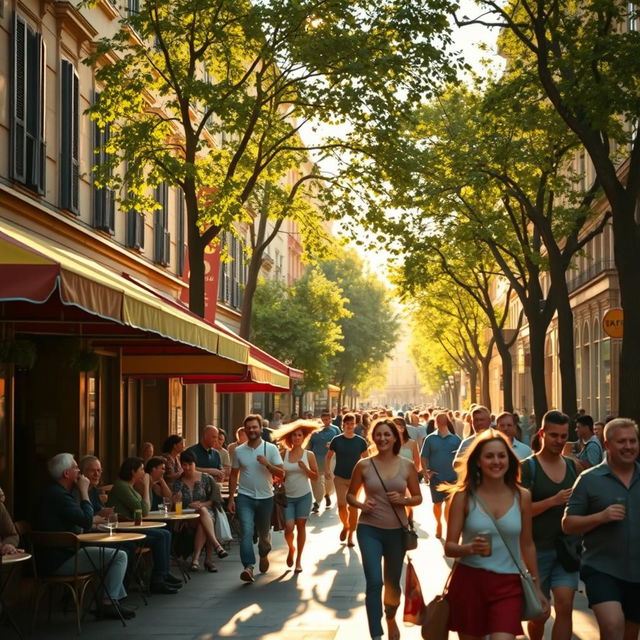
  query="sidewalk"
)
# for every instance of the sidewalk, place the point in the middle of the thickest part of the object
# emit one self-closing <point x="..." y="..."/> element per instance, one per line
<point x="324" y="602"/>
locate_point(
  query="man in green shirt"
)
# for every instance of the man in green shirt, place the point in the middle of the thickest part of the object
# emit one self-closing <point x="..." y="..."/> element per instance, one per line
<point x="605" y="509"/>
<point x="549" y="476"/>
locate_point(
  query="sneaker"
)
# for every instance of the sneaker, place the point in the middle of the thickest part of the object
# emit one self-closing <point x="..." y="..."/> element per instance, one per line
<point x="264" y="564"/>
<point x="315" y="508"/>
<point x="247" y="574"/>
<point x="327" y="502"/>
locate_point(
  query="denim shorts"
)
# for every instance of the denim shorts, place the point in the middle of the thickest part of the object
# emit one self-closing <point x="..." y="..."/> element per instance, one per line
<point x="552" y="574"/>
<point x="298" y="507"/>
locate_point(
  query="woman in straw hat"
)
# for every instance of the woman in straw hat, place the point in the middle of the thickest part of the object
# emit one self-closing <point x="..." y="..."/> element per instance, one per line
<point x="300" y="468"/>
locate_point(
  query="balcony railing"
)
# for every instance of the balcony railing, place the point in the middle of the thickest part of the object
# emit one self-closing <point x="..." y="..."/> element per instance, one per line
<point x="594" y="269"/>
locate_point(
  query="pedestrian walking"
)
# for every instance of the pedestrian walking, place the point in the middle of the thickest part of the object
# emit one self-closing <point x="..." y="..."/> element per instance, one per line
<point x="549" y="476"/>
<point x="386" y="477"/>
<point x="252" y="469"/>
<point x="438" y="452"/>
<point x="300" y="469"/>
<point x="604" y="508"/>
<point x="485" y="593"/>
<point x="318" y="443"/>
<point x="348" y="448"/>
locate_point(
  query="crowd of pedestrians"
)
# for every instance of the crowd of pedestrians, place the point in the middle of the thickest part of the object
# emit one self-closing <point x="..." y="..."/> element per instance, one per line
<point x="563" y="510"/>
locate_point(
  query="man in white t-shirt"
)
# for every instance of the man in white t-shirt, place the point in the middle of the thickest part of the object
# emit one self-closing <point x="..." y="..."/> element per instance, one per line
<point x="253" y="466"/>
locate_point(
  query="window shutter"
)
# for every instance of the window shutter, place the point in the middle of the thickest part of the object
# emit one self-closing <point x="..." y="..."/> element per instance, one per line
<point x="18" y="124"/>
<point x="69" y="169"/>
<point x="40" y="156"/>
<point x="181" y="247"/>
<point x="235" y="273"/>
<point x="104" y="201"/>
<point x="162" y="237"/>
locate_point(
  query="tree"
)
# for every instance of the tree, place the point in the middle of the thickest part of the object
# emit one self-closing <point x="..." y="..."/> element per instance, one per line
<point x="369" y="331"/>
<point x="300" y="324"/>
<point x="211" y="97"/>
<point x="585" y="59"/>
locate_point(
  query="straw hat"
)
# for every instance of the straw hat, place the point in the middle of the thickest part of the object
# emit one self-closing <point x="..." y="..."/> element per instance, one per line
<point x="306" y="426"/>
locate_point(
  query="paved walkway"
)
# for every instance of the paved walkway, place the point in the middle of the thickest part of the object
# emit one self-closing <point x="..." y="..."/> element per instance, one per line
<point x="324" y="602"/>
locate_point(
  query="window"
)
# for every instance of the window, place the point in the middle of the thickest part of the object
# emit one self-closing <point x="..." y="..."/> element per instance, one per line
<point x="133" y="7"/>
<point x="104" y="201"/>
<point x="161" y="235"/>
<point x="181" y="247"/>
<point x="232" y="272"/>
<point x="632" y="20"/>
<point x="28" y="148"/>
<point x="69" y="131"/>
<point x="135" y="230"/>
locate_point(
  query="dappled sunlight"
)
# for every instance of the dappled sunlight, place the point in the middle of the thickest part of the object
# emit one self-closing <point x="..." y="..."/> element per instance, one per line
<point x="243" y="616"/>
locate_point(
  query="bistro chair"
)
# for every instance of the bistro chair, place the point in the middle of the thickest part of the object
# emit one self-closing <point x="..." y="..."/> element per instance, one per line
<point x="75" y="583"/>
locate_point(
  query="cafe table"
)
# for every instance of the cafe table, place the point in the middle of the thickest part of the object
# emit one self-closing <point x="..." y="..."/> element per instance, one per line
<point x="105" y="540"/>
<point x="10" y="562"/>
<point x="174" y="520"/>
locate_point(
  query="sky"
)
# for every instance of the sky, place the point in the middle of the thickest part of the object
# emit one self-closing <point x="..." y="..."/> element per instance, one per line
<point x="477" y="43"/>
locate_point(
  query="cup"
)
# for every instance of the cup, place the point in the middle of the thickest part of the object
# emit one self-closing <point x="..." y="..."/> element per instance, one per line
<point x="178" y="507"/>
<point x="486" y="536"/>
<point x="622" y="501"/>
<point x="166" y="505"/>
<point x="112" y="522"/>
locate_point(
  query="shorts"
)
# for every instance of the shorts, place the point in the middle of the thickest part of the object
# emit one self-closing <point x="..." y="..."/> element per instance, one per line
<point x="298" y="507"/>
<point x="602" y="587"/>
<point x="552" y="574"/>
<point x="483" y="602"/>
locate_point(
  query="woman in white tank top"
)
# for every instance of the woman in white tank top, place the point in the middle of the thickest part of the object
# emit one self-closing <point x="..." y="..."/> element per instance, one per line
<point x="300" y="468"/>
<point x="488" y="476"/>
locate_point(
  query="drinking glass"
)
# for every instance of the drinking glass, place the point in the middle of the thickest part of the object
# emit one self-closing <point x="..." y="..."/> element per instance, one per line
<point x="166" y="504"/>
<point x="112" y="522"/>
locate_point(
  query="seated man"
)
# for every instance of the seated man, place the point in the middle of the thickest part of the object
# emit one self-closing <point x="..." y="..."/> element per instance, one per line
<point x="59" y="511"/>
<point x="91" y="468"/>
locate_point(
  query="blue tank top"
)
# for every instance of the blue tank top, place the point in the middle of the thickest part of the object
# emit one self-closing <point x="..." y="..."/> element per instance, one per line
<point x="500" y="560"/>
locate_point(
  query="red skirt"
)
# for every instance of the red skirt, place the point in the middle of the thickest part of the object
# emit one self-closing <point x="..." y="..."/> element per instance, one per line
<point x="483" y="602"/>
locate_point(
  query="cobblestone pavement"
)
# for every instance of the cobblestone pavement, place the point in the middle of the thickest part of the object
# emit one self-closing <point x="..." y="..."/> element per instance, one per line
<point x="324" y="602"/>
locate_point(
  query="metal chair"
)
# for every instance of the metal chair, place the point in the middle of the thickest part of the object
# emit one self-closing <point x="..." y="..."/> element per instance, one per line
<point x="76" y="583"/>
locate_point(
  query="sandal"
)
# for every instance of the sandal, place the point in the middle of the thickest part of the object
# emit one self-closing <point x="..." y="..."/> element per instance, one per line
<point x="222" y="552"/>
<point x="195" y="566"/>
<point x="210" y="567"/>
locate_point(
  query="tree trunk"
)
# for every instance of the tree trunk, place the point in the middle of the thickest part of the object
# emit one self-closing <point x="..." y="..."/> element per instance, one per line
<point x="473" y="383"/>
<point x="485" y="394"/>
<point x="627" y="250"/>
<point x="537" y="336"/>
<point x="507" y="374"/>
<point x="566" y="350"/>
<point x="253" y="273"/>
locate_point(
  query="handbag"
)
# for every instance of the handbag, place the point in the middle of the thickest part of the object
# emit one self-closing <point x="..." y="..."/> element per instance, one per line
<point x="222" y="527"/>
<point x="413" y="602"/>
<point x="435" y="619"/>
<point x="531" y="606"/>
<point x="409" y="534"/>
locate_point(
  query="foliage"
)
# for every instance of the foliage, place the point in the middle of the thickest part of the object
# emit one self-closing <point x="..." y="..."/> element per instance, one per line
<point x="300" y="324"/>
<point x="370" y="330"/>
<point x="211" y="97"/>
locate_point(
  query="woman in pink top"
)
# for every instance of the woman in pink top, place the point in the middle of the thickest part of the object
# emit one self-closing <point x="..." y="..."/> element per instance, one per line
<point x="386" y="478"/>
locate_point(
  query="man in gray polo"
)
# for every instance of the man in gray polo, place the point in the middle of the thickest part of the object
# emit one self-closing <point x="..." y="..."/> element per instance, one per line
<point x="605" y="508"/>
<point x="253" y="466"/>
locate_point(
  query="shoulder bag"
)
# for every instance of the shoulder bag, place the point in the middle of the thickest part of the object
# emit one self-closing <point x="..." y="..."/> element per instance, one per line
<point x="435" y="619"/>
<point x="531" y="606"/>
<point x="409" y="534"/>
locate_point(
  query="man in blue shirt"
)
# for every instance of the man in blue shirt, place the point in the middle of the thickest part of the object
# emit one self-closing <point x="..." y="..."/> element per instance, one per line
<point x="604" y="508"/>
<point x="591" y="452"/>
<point x="207" y="458"/>
<point x="319" y="445"/>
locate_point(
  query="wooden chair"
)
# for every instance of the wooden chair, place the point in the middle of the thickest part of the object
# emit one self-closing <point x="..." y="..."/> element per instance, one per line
<point x="76" y="583"/>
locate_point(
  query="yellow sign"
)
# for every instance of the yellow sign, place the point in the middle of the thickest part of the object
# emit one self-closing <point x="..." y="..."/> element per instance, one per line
<point x="613" y="323"/>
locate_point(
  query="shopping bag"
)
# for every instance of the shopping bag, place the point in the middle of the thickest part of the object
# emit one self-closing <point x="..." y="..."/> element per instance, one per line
<point x="221" y="527"/>
<point x="413" y="601"/>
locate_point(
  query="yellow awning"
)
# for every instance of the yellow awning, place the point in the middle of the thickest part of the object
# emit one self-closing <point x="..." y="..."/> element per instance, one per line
<point x="95" y="289"/>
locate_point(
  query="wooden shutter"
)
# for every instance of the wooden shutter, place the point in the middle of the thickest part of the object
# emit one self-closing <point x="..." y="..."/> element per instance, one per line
<point x="162" y="237"/>
<point x="69" y="128"/>
<point x="19" y="103"/>
<point x="181" y="246"/>
<point x="104" y="201"/>
<point x="40" y="155"/>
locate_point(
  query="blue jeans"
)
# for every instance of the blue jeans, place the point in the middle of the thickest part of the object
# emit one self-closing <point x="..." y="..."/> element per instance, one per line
<point x="375" y="545"/>
<point x="159" y="541"/>
<point x="254" y="513"/>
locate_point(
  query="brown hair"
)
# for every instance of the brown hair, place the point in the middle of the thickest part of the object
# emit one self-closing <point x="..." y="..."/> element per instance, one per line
<point x="252" y="416"/>
<point x="397" y="445"/>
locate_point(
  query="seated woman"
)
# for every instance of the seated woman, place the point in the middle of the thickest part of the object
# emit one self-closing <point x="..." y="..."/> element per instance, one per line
<point x="171" y="449"/>
<point x="197" y="491"/>
<point x="159" y="489"/>
<point x="9" y="538"/>
<point x="125" y="501"/>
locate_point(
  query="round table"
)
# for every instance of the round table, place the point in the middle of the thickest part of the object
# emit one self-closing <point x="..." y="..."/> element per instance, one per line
<point x="133" y="528"/>
<point x="102" y="539"/>
<point x="11" y="560"/>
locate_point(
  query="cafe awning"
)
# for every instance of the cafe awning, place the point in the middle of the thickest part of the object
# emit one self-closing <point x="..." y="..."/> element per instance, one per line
<point x="36" y="271"/>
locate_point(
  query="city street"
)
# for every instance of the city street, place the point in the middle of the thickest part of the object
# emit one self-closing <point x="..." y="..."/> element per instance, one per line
<point x="324" y="602"/>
